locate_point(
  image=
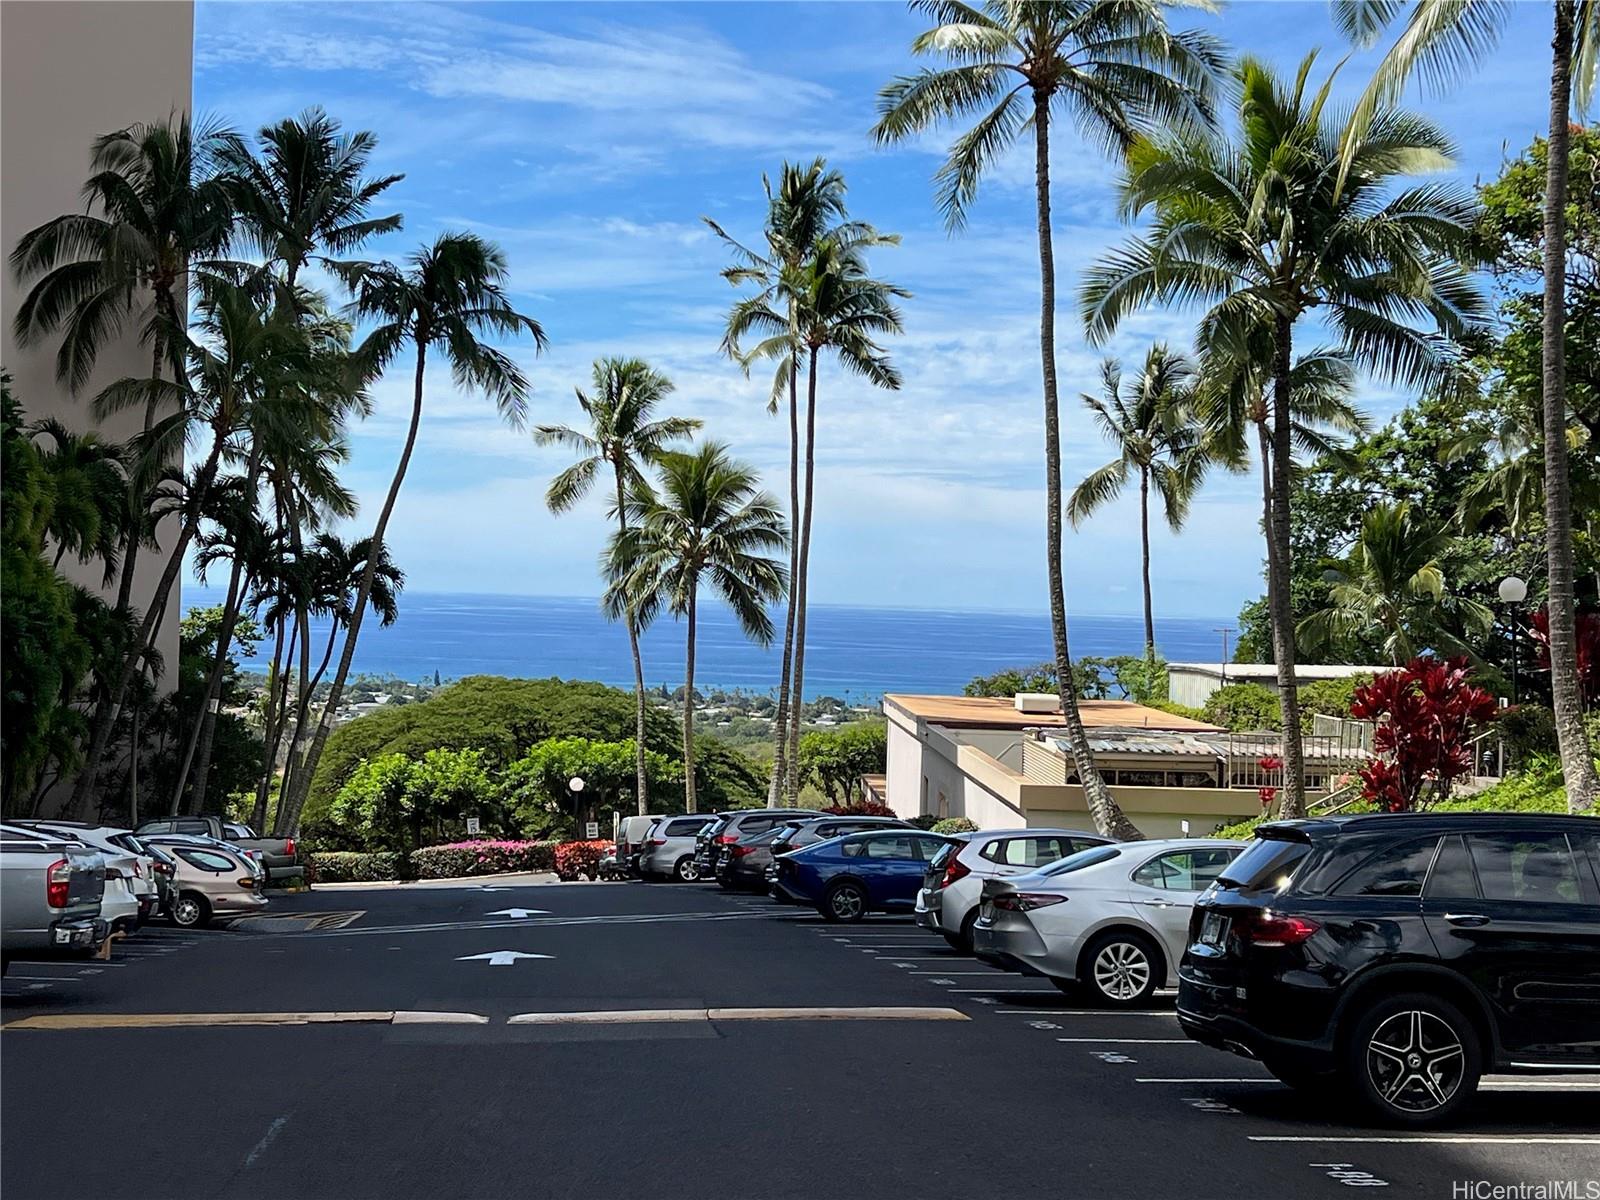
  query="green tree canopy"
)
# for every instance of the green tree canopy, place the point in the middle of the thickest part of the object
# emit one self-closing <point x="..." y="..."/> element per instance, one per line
<point x="834" y="758"/>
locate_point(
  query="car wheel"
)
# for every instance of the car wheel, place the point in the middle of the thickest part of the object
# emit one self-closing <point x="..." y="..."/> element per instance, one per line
<point x="190" y="910"/>
<point x="964" y="942"/>
<point x="685" y="871"/>
<point x="1413" y="1059"/>
<point x="845" y="902"/>
<point x="1120" y="970"/>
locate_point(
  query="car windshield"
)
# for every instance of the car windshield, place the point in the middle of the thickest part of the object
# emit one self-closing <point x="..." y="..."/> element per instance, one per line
<point x="1082" y="859"/>
<point x="1266" y="862"/>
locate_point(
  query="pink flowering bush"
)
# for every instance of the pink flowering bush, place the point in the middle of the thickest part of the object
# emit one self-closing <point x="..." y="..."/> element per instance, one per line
<point x="574" y="859"/>
<point x="482" y="857"/>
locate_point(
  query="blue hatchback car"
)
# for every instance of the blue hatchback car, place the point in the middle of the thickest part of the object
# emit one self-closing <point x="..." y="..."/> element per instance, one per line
<point x="848" y="877"/>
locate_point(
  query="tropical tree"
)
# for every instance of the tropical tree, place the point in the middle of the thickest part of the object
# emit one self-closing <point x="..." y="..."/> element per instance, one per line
<point x="1114" y="69"/>
<point x="807" y="206"/>
<point x="1440" y="39"/>
<point x="1258" y="228"/>
<point x="447" y="296"/>
<point x="710" y="525"/>
<point x="85" y="489"/>
<point x="1156" y="438"/>
<point x="1390" y="591"/>
<point x="623" y="438"/>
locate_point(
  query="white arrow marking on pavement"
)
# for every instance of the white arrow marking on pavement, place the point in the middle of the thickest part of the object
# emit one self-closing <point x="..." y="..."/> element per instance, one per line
<point x="499" y="958"/>
<point x="519" y="913"/>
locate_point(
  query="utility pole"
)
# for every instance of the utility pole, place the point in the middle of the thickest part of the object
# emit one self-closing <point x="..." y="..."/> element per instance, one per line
<point x="1224" y="630"/>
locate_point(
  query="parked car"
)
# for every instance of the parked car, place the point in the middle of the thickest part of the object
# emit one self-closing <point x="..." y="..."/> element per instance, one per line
<point x="131" y="864"/>
<point x="747" y="862"/>
<point x="669" y="848"/>
<point x="848" y="877"/>
<point x="953" y="885"/>
<point x="631" y="833"/>
<point x="50" y="891"/>
<point x="278" y="855"/>
<point x="713" y="844"/>
<point x="1402" y="956"/>
<point x="251" y="858"/>
<point x="754" y="862"/>
<point x="1111" y="921"/>
<point x="212" y="882"/>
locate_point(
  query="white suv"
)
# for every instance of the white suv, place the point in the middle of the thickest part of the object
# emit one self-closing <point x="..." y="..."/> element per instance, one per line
<point x="948" y="901"/>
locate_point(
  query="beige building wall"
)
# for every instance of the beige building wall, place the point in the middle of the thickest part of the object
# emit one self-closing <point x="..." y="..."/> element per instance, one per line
<point x="71" y="70"/>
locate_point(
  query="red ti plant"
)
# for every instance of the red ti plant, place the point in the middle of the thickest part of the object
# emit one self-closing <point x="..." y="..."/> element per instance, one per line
<point x="1588" y="650"/>
<point x="1426" y="714"/>
<point x="1269" y="792"/>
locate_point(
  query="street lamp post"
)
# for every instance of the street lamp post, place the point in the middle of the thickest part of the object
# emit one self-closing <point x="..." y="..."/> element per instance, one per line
<point x="575" y="786"/>
<point x="1513" y="591"/>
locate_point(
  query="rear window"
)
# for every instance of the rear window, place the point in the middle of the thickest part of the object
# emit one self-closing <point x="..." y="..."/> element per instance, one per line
<point x="785" y="832"/>
<point x="686" y="828"/>
<point x="754" y="825"/>
<point x="1082" y="859"/>
<point x="1265" y="863"/>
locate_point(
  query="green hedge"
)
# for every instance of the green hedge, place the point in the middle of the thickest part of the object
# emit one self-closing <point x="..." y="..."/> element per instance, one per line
<point x="350" y="866"/>
<point x="955" y="825"/>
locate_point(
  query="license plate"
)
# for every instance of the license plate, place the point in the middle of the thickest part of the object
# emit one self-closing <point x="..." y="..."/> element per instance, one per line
<point x="1214" y="929"/>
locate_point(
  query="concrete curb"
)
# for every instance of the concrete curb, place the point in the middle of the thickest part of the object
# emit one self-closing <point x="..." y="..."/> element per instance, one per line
<point x="526" y="878"/>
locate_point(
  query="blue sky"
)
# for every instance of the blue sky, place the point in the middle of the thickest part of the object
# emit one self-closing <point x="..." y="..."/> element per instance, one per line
<point x="588" y="140"/>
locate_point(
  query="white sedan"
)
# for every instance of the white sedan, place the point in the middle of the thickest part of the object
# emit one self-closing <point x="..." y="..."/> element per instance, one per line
<point x="1112" y="920"/>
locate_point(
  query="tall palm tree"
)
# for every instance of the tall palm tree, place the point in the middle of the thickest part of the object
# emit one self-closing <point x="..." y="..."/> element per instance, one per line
<point x="448" y="296"/>
<point x="623" y="438"/>
<point x="1155" y="436"/>
<point x="710" y="524"/>
<point x="828" y="304"/>
<point x="1258" y="229"/>
<point x="1391" y="592"/>
<point x="85" y="481"/>
<point x="1440" y="40"/>
<point x="807" y="206"/>
<point x="1112" y="68"/>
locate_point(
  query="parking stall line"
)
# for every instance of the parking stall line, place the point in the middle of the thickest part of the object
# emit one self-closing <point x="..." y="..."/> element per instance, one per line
<point x="1086" y="1012"/>
<point x="1130" y="1041"/>
<point x="1441" y="1139"/>
<point x="1233" y="1079"/>
<point x="955" y="974"/>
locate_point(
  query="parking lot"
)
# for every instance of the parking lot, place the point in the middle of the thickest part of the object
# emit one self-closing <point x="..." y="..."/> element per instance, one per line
<point x="471" y="1041"/>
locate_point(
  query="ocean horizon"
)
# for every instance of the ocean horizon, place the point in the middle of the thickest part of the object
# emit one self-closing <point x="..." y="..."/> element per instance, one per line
<point x="854" y="652"/>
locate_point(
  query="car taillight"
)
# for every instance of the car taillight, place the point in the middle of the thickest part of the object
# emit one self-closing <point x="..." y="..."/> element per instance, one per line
<point x="726" y="839"/>
<point x="288" y="847"/>
<point x="138" y="871"/>
<point x="1026" y="901"/>
<point x="112" y="873"/>
<point x="658" y="841"/>
<point x="248" y="882"/>
<point x="1272" y="930"/>
<point x="57" y="883"/>
<point x="741" y="851"/>
<point x="953" y="870"/>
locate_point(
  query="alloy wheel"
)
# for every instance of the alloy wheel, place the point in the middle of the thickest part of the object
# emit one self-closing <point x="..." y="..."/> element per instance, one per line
<point x="846" y="903"/>
<point x="1415" y="1061"/>
<point x="1122" y="970"/>
<point x="186" y="911"/>
<point x="687" y="871"/>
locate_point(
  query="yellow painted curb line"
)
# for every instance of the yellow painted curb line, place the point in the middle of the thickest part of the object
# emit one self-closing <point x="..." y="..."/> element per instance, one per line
<point x="645" y="1016"/>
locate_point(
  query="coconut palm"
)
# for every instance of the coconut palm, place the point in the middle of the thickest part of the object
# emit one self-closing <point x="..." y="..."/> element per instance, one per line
<point x="1112" y="68"/>
<point x="1440" y="40"/>
<point x="1156" y="438"/>
<point x="807" y="206"/>
<point x="448" y="296"/>
<point x="1258" y="229"/>
<point x="709" y="525"/>
<point x="1390" y="592"/>
<point x="85" y="482"/>
<point x="623" y="438"/>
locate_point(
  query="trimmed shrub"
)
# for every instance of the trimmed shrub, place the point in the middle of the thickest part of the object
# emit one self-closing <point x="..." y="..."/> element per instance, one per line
<point x="955" y="825"/>
<point x="861" y="808"/>
<point x="925" y="821"/>
<point x="482" y="857"/>
<point x="574" y="859"/>
<point x="1243" y="707"/>
<point x="350" y="866"/>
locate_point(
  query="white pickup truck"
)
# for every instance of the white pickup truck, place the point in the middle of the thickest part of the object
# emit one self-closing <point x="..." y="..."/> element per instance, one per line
<point x="278" y="857"/>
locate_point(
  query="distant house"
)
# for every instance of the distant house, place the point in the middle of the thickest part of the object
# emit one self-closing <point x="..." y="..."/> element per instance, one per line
<point x="1192" y="683"/>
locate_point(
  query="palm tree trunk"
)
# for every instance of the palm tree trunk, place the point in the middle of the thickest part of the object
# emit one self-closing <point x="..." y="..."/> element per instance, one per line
<point x="1278" y="599"/>
<point x="688" y="709"/>
<point x="197" y="733"/>
<point x="1144" y="543"/>
<point x="104" y="716"/>
<point x="363" y="594"/>
<point x="641" y="775"/>
<point x="797" y="593"/>
<point x="1577" y="766"/>
<point x="271" y="730"/>
<point x="294" y="761"/>
<point x="1108" y="816"/>
<point x="780" y="758"/>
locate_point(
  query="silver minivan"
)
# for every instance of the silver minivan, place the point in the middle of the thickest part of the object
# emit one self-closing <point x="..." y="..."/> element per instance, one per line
<point x="668" y="850"/>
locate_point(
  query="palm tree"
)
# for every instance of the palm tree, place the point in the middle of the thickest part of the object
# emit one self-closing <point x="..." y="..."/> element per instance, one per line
<point x="1155" y="437"/>
<point x="1259" y="230"/>
<point x="623" y="438"/>
<point x="85" y="478"/>
<point x="710" y="524"/>
<point x="1441" y="38"/>
<point x="449" y="294"/>
<point x="1390" y="591"/>
<point x="1114" y="69"/>
<point x="807" y="206"/>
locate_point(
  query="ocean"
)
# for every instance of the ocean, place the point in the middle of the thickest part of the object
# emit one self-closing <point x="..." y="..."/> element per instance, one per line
<point x="856" y="654"/>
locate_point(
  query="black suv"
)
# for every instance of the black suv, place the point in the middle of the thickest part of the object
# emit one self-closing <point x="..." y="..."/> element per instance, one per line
<point x="1403" y="956"/>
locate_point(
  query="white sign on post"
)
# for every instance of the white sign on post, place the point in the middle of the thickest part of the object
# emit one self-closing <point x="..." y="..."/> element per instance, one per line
<point x="473" y="825"/>
<point x="591" y="830"/>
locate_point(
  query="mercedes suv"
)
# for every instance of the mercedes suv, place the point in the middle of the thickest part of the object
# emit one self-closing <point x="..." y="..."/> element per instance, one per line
<point x="1401" y="957"/>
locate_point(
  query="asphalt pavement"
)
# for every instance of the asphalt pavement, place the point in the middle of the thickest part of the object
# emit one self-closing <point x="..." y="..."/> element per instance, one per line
<point x="465" y="1042"/>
